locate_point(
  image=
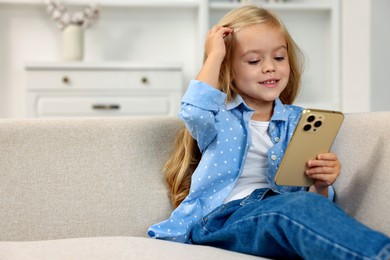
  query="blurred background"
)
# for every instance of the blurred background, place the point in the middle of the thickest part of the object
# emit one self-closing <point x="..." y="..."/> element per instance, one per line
<point x="139" y="55"/>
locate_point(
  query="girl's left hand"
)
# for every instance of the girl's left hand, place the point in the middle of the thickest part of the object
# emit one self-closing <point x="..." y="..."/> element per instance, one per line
<point x="324" y="170"/>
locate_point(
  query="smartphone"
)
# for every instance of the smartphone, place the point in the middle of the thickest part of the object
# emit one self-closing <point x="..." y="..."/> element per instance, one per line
<point x="314" y="134"/>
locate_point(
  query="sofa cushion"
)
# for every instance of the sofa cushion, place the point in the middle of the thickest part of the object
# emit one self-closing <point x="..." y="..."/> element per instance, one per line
<point x="112" y="248"/>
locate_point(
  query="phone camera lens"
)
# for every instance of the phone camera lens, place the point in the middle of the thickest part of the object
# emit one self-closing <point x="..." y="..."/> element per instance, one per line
<point x="311" y="118"/>
<point x="307" y="127"/>
<point x="317" y="123"/>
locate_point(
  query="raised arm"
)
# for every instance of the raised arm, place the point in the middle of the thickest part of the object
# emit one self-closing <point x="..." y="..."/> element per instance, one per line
<point x="215" y="52"/>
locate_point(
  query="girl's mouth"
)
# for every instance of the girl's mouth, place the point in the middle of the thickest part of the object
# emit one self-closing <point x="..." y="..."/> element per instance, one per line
<point x="270" y="82"/>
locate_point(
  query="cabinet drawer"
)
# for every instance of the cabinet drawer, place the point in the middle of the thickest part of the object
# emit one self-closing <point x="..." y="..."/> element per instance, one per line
<point x="102" y="89"/>
<point x="102" y="106"/>
<point x="94" y="79"/>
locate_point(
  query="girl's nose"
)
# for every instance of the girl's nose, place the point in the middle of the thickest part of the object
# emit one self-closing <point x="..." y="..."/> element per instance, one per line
<point x="268" y="66"/>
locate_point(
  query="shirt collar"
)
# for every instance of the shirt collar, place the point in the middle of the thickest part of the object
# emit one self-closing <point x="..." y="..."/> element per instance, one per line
<point x="280" y="110"/>
<point x="236" y="102"/>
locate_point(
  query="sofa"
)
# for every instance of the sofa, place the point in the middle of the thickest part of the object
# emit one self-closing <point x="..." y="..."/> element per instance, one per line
<point x="89" y="188"/>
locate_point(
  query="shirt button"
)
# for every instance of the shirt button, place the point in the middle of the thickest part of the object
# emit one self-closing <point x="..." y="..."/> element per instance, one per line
<point x="276" y="139"/>
<point x="273" y="157"/>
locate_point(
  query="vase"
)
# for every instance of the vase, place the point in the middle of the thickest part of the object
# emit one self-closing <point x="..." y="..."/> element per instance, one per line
<point x="73" y="43"/>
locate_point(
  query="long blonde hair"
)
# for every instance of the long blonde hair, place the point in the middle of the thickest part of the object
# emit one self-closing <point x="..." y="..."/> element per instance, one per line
<point x="186" y="155"/>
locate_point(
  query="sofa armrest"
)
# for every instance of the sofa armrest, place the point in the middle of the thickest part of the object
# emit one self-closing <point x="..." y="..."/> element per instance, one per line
<point x="362" y="190"/>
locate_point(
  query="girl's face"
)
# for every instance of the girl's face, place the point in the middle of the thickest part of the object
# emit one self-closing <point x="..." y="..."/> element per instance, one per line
<point x="260" y="64"/>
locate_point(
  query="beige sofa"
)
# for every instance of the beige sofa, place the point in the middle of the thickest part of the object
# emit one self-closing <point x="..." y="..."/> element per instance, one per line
<point x="89" y="188"/>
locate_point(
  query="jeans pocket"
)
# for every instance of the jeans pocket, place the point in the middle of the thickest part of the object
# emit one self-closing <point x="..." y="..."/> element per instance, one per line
<point x="216" y="218"/>
<point x="213" y="213"/>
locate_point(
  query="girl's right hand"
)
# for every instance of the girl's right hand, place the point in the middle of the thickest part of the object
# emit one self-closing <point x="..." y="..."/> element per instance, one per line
<point x="215" y="50"/>
<point x="215" y="44"/>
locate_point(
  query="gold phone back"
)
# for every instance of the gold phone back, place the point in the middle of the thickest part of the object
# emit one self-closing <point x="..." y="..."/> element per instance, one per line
<point x="306" y="144"/>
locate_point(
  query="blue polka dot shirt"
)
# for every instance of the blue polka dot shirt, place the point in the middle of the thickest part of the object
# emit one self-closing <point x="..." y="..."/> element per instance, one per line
<point x="222" y="133"/>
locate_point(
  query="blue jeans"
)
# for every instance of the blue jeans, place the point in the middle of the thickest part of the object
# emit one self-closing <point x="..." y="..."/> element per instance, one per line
<point x="289" y="226"/>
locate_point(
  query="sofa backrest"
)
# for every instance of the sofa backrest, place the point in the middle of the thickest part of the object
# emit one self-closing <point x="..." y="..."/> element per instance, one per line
<point x="67" y="178"/>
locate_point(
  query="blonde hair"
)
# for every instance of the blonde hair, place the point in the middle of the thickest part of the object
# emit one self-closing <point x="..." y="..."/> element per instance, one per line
<point x="186" y="155"/>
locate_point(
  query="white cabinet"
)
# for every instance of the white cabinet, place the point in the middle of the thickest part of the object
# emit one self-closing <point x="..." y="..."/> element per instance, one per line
<point x="102" y="89"/>
<point x="177" y="35"/>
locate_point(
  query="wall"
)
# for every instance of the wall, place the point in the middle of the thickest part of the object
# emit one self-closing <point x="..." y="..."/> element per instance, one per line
<point x="365" y="53"/>
<point x="355" y="51"/>
<point x="380" y="55"/>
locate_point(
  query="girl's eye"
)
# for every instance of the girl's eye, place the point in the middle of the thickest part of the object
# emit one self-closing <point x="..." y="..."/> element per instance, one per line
<point x="281" y="58"/>
<point x="253" y="62"/>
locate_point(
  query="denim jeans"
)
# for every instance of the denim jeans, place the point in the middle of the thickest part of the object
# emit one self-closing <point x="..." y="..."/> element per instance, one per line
<point x="289" y="226"/>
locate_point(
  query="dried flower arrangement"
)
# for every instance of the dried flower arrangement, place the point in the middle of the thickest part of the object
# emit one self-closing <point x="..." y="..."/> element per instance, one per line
<point x="59" y="13"/>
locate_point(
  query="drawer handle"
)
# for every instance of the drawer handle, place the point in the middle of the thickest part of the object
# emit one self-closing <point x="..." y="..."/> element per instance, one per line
<point x="144" y="80"/>
<point x="106" y="107"/>
<point x="65" y="80"/>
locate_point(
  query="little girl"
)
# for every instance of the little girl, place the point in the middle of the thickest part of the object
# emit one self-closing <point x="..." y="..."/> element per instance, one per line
<point x="239" y="122"/>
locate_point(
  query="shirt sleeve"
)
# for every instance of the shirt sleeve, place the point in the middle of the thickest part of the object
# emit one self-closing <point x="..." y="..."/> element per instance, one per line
<point x="204" y="96"/>
<point x="200" y="106"/>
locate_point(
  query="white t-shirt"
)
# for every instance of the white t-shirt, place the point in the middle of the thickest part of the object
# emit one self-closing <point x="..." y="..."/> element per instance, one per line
<point x="254" y="173"/>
